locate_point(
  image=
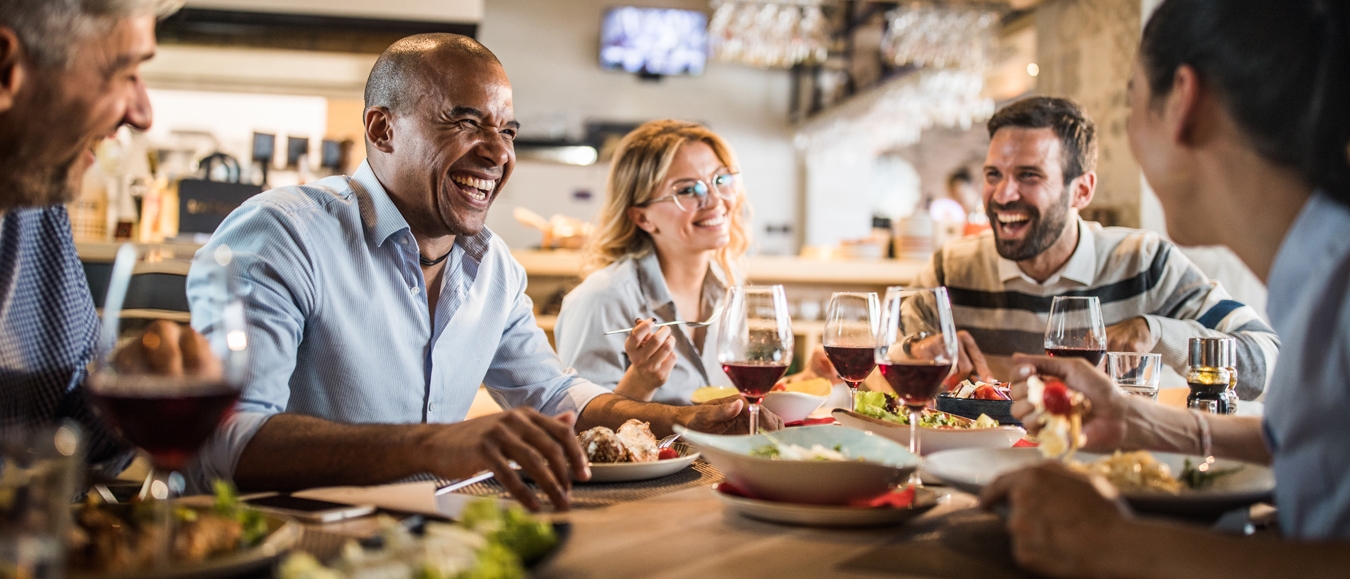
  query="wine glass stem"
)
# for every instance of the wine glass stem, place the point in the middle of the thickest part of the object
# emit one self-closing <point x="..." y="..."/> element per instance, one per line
<point x="158" y="491"/>
<point x="754" y="418"/>
<point x="852" y="395"/>
<point x="914" y="415"/>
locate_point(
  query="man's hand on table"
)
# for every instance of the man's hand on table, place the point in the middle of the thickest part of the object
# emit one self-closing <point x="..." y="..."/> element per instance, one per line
<point x="1131" y="335"/>
<point x="728" y="415"/>
<point x="1104" y="425"/>
<point x="970" y="362"/>
<point x="545" y="448"/>
<point x="1058" y="519"/>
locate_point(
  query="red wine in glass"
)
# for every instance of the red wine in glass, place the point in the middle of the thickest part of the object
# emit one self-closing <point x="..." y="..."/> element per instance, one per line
<point x="754" y="379"/>
<point x="916" y="383"/>
<point x="1092" y="355"/>
<point x="169" y="424"/>
<point x="853" y="364"/>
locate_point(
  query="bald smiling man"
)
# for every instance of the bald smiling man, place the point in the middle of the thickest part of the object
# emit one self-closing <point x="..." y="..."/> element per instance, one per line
<point x="379" y="302"/>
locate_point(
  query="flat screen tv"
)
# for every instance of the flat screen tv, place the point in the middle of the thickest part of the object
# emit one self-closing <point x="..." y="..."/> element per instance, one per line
<point x="654" y="41"/>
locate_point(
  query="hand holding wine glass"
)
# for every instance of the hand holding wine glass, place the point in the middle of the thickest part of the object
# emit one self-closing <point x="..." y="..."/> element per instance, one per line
<point x="1076" y="329"/>
<point x="755" y="343"/>
<point x="910" y="317"/>
<point x="851" y="323"/>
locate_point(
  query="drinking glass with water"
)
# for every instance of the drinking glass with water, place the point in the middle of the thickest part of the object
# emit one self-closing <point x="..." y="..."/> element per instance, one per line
<point x="1137" y="374"/>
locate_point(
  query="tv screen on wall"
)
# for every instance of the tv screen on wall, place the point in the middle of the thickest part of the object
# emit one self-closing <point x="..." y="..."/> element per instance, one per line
<point x="654" y="41"/>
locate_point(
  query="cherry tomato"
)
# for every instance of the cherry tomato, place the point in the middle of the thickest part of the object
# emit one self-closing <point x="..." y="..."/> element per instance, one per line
<point x="1056" y="398"/>
<point x="667" y="454"/>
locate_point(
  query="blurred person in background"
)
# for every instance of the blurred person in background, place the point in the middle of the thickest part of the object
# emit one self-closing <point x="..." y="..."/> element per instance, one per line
<point x="69" y="78"/>
<point x="1238" y="120"/>
<point x="672" y="238"/>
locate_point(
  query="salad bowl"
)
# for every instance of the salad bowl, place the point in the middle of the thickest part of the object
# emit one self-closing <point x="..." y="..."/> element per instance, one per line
<point x="832" y="466"/>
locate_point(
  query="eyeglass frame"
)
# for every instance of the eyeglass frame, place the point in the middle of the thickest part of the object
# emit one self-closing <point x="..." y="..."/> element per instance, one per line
<point x="708" y="189"/>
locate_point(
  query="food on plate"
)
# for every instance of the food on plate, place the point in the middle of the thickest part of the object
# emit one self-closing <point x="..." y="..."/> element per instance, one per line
<point x="633" y="442"/>
<point x="667" y="454"/>
<point x="637" y="437"/>
<point x="887" y="407"/>
<point x="817" y="452"/>
<point x="1140" y="472"/>
<point x="120" y="539"/>
<point x="982" y="390"/>
<point x="489" y="542"/>
<point x="1059" y="411"/>
<point x="710" y="393"/>
<point x="814" y="387"/>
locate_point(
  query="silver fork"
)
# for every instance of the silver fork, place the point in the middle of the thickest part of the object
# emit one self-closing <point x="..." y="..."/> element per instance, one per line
<point x="708" y="322"/>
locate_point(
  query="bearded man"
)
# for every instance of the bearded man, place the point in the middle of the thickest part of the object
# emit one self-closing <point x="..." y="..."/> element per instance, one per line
<point x="1039" y="172"/>
<point x="69" y="77"/>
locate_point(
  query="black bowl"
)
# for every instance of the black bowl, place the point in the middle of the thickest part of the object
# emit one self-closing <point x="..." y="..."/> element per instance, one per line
<point x="972" y="408"/>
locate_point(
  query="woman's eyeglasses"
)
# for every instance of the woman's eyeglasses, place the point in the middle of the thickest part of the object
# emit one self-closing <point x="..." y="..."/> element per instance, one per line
<point x="693" y="194"/>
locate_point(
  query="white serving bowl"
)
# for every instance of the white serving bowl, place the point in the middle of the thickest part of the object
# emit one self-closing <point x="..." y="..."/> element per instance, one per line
<point x="792" y="406"/>
<point x="933" y="440"/>
<point x="883" y="464"/>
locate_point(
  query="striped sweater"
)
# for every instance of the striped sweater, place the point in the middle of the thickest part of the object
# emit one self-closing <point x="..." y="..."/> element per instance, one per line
<point x="1133" y="272"/>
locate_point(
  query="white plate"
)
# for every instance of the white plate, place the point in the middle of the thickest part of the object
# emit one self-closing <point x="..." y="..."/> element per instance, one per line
<point x="636" y="471"/>
<point x="933" y="440"/>
<point x="824" y="515"/>
<point x="971" y="468"/>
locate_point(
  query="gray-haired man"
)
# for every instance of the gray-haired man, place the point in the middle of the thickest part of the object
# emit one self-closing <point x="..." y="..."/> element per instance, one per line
<point x="69" y="77"/>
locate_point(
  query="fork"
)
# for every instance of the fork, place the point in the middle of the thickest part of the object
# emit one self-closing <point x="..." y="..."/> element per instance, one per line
<point x="708" y="322"/>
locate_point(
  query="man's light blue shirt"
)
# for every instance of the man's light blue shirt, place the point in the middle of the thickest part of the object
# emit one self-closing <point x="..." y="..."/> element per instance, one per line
<point x="339" y="326"/>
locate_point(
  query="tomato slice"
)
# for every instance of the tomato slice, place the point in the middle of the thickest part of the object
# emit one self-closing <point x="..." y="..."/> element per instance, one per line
<point x="1056" y="398"/>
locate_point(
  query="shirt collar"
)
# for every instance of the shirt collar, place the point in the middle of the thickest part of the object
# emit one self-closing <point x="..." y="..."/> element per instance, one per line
<point x="1081" y="267"/>
<point x="383" y="219"/>
<point x="1315" y="234"/>
<point x="653" y="282"/>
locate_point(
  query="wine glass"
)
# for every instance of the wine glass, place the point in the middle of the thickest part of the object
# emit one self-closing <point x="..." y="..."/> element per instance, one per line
<point x="754" y="345"/>
<point x="851" y="322"/>
<point x="164" y="387"/>
<point x="1076" y="329"/>
<point x="916" y="350"/>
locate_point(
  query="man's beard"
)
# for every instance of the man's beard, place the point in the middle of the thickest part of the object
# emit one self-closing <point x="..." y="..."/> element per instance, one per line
<point x="1042" y="232"/>
<point x="27" y="181"/>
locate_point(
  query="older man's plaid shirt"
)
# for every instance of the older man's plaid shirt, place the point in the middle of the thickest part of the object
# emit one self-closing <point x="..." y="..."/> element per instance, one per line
<point x="47" y="330"/>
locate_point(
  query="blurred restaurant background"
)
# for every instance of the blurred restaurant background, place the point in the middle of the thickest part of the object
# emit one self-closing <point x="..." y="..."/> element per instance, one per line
<point x="854" y="122"/>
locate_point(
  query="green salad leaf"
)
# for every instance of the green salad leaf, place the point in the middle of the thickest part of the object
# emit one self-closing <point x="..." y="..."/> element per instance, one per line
<point x="228" y="505"/>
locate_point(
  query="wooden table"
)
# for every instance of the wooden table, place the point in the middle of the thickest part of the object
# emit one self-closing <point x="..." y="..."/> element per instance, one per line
<point x="690" y="534"/>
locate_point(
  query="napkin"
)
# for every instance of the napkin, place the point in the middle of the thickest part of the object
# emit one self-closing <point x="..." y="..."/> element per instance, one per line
<point x="412" y="497"/>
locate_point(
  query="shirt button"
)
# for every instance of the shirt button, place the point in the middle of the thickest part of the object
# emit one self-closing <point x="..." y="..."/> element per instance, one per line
<point x="414" y="290"/>
<point x="431" y="406"/>
<point x="403" y="240"/>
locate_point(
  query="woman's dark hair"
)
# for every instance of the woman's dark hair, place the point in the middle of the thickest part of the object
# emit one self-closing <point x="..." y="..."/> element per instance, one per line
<point x="1282" y="69"/>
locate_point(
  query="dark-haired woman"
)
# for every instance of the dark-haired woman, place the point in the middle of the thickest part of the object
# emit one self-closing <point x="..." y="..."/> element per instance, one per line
<point x="1240" y="120"/>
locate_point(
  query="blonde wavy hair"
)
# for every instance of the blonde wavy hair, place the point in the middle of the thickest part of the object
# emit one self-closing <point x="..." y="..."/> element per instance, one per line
<point x="641" y="164"/>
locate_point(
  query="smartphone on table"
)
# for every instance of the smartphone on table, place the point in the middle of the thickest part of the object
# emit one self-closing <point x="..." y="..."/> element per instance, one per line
<point x="309" y="510"/>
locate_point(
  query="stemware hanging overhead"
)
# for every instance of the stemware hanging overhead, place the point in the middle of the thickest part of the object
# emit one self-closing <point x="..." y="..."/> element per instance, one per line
<point x="769" y="33"/>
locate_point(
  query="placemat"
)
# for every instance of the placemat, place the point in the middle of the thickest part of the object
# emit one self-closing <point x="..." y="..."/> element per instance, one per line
<point x="597" y="495"/>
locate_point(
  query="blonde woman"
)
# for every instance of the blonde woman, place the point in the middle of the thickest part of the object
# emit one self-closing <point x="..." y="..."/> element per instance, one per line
<point x="669" y="242"/>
